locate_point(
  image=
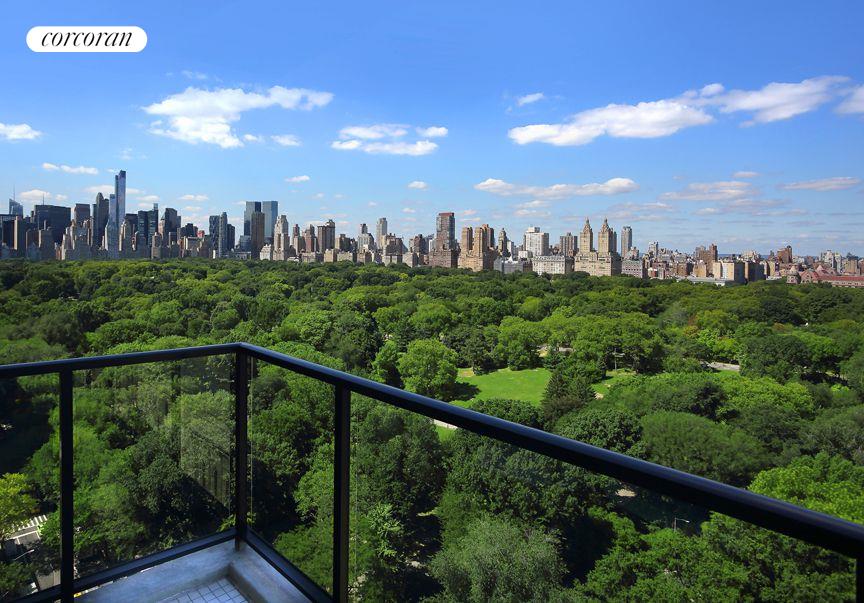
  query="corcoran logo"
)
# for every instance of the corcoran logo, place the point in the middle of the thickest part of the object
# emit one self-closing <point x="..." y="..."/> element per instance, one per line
<point x="62" y="38"/>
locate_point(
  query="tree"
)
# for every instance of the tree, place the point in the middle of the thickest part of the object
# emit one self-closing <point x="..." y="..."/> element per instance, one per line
<point x="700" y="446"/>
<point x="518" y="342"/>
<point x="428" y="367"/>
<point x="610" y="428"/>
<point x="482" y="566"/>
<point x="853" y="370"/>
<point x="565" y="393"/>
<point x="779" y="356"/>
<point x="385" y="367"/>
<point x="16" y="504"/>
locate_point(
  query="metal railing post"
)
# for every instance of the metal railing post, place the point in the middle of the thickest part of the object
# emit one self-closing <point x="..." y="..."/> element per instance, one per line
<point x="859" y="579"/>
<point x="341" y="482"/>
<point x="241" y="445"/>
<point x="67" y="490"/>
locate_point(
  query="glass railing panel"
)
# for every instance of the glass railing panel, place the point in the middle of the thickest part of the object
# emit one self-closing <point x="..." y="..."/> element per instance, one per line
<point x="29" y="485"/>
<point x="446" y="514"/>
<point x="153" y="458"/>
<point x="291" y="459"/>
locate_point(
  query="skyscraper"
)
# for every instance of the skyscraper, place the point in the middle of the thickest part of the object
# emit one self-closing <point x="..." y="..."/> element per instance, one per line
<point x="225" y="236"/>
<point x="270" y="209"/>
<point x="327" y="236"/>
<point x="606" y="239"/>
<point x="100" y="219"/>
<point x="55" y="217"/>
<point x="586" y="238"/>
<point x="445" y="254"/>
<point x="251" y="207"/>
<point x="567" y="244"/>
<point x="380" y="232"/>
<point x="626" y="240"/>
<point x="15" y="208"/>
<point x="536" y="243"/>
<point x="117" y="211"/>
<point x="256" y="230"/>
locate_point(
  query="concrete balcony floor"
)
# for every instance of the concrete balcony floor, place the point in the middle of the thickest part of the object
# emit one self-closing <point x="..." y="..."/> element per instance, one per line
<point x="215" y="574"/>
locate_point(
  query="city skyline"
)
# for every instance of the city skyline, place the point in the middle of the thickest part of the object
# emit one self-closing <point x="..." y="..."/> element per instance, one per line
<point x="762" y="148"/>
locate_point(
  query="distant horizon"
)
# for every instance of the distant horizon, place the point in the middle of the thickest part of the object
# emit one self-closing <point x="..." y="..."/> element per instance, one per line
<point x="742" y="121"/>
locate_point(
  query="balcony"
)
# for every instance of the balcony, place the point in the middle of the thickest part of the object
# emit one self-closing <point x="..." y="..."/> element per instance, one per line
<point x="196" y="410"/>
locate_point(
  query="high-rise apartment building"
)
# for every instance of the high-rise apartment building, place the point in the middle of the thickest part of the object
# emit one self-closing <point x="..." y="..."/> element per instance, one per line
<point x="586" y="239"/>
<point x="604" y="261"/>
<point x="327" y="236"/>
<point x="567" y="244"/>
<point x="380" y="232"/>
<point x="626" y="240"/>
<point x="55" y="217"/>
<point x="80" y="213"/>
<point x="256" y="232"/>
<point x="535" y="242"/>
<point x="445" y="254"/>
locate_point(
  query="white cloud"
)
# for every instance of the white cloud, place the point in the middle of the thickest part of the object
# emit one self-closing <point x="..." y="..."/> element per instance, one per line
<point x="418" y="185"/>
<point x="745" y="174"/>
<point x="18" y="132"/>
<point x="752" y="207"/>
<point x="613" y="186"/>
<point x="196" y="115"/>
<point x="50" y="167"/>
<point x="409" y="210"/>
<point x="105" y="189"/>
<point x="296" y="179"/>
<point x="854" y="103"/>
<point x="286" y="140"/>
<point x="469" y="212"/>
<point x="191" y="197"/>
<point x="387" y="139"/>
<point x="838" y="183"/>
<point x="192" y="208"/>
<point x="38" y="194"/>
<point x="643" y="120"/>
<point x="253" y="138"/>
<point x="432" y="132"/>
<point x="640" y="212"/>
<point x="780" y="100"/>
<point x="712" y="191"/>
<point x="530" y="98"/>
<point x="149" y="198"/>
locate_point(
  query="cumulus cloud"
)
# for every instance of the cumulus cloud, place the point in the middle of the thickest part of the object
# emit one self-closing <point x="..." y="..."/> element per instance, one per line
<point x="38" y="194"/>
<point x="640" y="212"/>
<point x="530" y="98"/>
<point x="653" y="119"/>
<point x="613" y="186"/>
<point x="418" y="185"/>
<point x="18" y="132"/>
<point x="197" y="115"/>
<point x="409" y="210"/>
<point x="297" y="179"/>
<point x="286" y="140"/>
<point x="780" y="100"/>
<point x="854" y="103"/>
<point x="50" y="167"/>
<point x="712" y="191"/>
<point x="643" y="120"/>
<point x="192" y="208"/>
<point x="837" y="183"/>
<point x="191" y="197"/>
<point x="432" y="132"/>
<point x="745" y="174"/>
<point x="149" y="198"/>
<point x="387" y="139"/>
<point x="253" y="138"/>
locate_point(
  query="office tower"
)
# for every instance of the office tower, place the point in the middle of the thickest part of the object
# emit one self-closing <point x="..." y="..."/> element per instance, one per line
<point x="15" y="208"/>
<point x="55" y="217"/>
<point x="586" y="239"/>
<point x="99" y="214"/>
<point x="567" y="244"/>
<point x="189" y="230"/>
<point x="363" y="228"/>
<point x="251" y="207"/>
<point x="654" y="248"/>
<point x="232" y="235"/>
<point x="125" y="239"/>
<point x="81" y="213"/>
<point x="120" y="193"/>
<point x="381" y="231"/>
<point x="169" y="224"/>
<point x="626" y="240"/>
<point x="297" y="241"/>
<point x="536" y="243"/>
<point x="213" y="228"/>
<point x="270" y="209"/>
<point x="116" y="212"/>
<point x="365" y="242"/>
<point x="327" y="236"/>
<point x="256" y="230"/>
<point x="606" y="239"/>
<point x="466" y="241"/>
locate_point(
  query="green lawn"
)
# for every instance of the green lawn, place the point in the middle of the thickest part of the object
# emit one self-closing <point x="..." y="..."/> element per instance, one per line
<point x="612" y="378"/>
<point x="525" y="385"/>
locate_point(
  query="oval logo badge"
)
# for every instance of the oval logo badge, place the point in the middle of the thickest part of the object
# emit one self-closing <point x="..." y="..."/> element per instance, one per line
<point x="64" y="38"/>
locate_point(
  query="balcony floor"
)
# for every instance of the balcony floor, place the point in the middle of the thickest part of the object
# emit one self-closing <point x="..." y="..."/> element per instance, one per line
<point x="215" y="574"/>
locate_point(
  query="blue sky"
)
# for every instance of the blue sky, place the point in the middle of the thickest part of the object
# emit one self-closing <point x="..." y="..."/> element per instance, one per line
<point x="740" y="123"/>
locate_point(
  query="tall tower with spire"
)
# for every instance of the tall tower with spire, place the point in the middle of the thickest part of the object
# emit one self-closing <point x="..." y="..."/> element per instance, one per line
<point x="606" y="239"/>
<point x="586" y="239"/>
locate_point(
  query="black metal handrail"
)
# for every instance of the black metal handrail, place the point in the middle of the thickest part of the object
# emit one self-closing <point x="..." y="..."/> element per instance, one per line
<point x="815" y="528"/>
